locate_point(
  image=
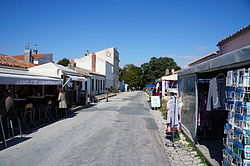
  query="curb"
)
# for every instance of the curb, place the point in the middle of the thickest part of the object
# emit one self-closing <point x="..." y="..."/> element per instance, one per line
<point x="208" y="160"/>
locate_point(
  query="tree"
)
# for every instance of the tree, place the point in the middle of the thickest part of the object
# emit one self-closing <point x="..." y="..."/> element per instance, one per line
<point x="132" y="75"/>
<point x="156" y="68"/>
<point x="64" y="62"/>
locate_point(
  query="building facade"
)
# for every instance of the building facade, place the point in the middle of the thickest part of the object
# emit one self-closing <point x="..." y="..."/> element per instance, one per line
<point x="105" y="62"/>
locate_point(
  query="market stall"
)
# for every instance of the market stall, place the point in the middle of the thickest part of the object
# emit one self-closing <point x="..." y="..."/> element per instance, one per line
<point x="204" y="114"/>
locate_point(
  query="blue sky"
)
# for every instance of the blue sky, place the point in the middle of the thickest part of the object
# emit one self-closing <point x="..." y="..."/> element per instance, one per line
<point x="140" y="29"/>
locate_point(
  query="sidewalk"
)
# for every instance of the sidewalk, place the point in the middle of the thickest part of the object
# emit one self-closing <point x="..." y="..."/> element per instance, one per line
<point x="99" y="98"/>
<point x="102" y="96"/>
<point x="185" y="155"/>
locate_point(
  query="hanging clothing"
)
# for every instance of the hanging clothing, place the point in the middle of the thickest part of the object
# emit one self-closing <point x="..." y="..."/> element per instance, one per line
<point x="216" y="94"/>
<point x="174" y="112"/>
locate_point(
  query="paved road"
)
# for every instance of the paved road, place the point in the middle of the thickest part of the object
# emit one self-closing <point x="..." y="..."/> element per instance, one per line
<point x="116" y="133"/>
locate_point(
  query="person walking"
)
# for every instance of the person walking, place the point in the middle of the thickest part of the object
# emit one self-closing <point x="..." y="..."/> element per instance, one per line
<point x="62" y="104"/>
<point x="107" y="94"/>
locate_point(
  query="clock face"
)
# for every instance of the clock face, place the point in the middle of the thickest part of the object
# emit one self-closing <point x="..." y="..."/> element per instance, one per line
<point x="108" y="54"/>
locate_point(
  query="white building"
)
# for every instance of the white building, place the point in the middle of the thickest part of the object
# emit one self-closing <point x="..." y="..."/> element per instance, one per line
<point x="95" y="83"/>
<point x="105" y="62"/>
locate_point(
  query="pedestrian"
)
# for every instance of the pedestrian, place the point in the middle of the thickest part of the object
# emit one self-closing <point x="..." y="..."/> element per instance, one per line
<point x="62" y="104"/>
<point x="154" y="91"/>
<point x="9" y="104"/>
<point x="106" y="94"/>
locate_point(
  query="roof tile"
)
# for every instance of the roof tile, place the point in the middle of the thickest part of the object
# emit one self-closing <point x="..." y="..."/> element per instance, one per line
<point x="230" y="37"/>
<point x="36" y="56"/>
<point x="10" y="61"/>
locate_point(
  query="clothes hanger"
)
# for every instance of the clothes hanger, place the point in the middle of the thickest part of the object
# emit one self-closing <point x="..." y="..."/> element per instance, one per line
<point x="221" y="74"/>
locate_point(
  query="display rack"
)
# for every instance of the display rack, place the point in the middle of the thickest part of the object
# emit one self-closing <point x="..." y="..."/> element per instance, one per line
<point x="237" y="141"/>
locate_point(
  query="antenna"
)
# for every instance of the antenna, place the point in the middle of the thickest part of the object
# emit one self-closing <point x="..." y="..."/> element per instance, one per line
<point x="36" y="49"/>
<point x="27" y="45"/>
<point x="86" y="52"/>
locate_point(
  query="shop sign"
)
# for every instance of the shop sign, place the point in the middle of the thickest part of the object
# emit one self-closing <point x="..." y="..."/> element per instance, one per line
<point x="155" y="101"/>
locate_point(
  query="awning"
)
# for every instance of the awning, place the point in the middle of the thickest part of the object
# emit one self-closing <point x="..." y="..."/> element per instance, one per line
<point x="170" y="77"/>
<point x="150" y="86"/>
<point x="229" y="60"/>
<point x="76" y="78"/>
<point x="16" y="79"/>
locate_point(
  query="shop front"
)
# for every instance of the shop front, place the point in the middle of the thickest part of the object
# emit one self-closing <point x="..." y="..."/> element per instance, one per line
<point x="207" y="107"/>
<point x="33" y="100"/>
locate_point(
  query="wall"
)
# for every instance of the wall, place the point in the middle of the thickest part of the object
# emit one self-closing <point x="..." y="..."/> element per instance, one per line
<point x="236" y="43"/>
<point x="100" y="88"/>
<point x="109" y="75"/>
<point x="84" y="62"/>
<point x="105" y="65"/>
<point x="113" y="59"/>
<point x="101" y="66"/>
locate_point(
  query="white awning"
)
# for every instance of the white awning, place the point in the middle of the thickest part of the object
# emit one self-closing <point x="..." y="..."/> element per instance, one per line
<point x="169" y="77"/>
<point x="76" y="78"/>
<point x="18" y="79"/>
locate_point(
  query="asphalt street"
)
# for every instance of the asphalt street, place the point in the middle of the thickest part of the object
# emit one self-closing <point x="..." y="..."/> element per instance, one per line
<point x="120" y="132"/>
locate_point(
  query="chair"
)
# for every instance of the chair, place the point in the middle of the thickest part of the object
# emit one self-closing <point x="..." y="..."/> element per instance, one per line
<point x="48" y="110"/>
<point x="2" y="130"/>
<point x="28" y="112"/>
<point x="12" y="115"/>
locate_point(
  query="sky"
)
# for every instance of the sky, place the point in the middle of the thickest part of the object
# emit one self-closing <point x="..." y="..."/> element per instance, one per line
<point x="139" y="29"/>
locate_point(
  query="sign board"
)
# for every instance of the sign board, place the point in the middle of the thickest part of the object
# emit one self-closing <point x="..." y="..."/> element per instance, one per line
<point x="155" y="101"/>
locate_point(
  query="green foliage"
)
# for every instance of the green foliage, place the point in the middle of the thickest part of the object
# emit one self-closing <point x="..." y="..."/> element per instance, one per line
<point x="132" y="75"/>
<point x="163" y="108"/>
<point x="156" y="68"/>
<point x="63" y="62"/>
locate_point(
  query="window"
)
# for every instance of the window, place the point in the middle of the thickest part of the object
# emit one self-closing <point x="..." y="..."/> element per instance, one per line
<point x="101" y="84"/>
<point x="86" y="85"/>
<point x="96" y="84"/>
<point x="92" y="84"/>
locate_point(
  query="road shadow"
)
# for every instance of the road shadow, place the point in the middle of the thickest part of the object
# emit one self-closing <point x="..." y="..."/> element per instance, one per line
<point x="13" y="142"/>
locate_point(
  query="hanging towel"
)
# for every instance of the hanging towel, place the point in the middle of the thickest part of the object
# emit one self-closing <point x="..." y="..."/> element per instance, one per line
<point x="213" y="101"/>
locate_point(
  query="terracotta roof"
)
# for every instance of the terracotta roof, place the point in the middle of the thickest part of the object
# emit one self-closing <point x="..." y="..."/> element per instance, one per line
<point x="36" y="56"/>
<point x="10" y="61"/>
<point x="210" y="56"/>
<point x="246" y="28"/>
<point x="85" y="75"/>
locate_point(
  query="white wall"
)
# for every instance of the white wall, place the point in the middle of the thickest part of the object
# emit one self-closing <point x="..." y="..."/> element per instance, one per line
<point x="84" y="62"/>
<point x="100" y="88"/>
<point x="106" y="65"/>
<point x="101" y="66"/>
<point x="113" y="59"/>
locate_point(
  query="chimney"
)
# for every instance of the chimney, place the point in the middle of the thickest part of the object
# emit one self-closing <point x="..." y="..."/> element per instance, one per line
<point x="28" y="56"/>
<point x="72" y="64"/>
<point x="93" y="62"/>
<point x="167" y="71"/>
<point x="172" y="71"/>
<point x="35" y="51"/>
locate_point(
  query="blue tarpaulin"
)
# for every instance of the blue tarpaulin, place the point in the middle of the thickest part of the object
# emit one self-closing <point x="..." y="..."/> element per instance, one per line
<point x="150" y="86"/>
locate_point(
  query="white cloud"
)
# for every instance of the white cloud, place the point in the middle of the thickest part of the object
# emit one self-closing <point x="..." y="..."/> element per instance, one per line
<point x="183" y="60"/>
